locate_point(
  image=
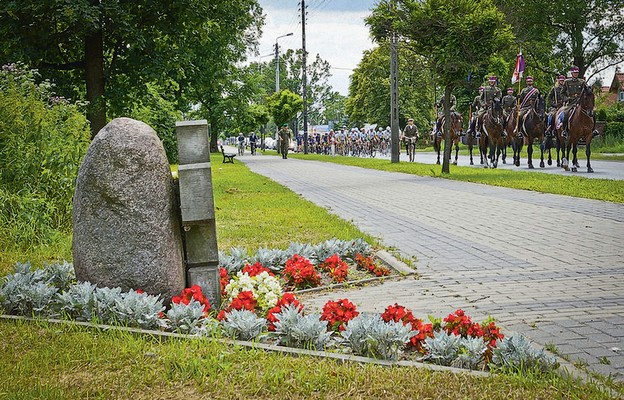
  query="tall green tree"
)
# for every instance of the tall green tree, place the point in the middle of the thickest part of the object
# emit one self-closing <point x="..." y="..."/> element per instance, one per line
<point x="456" y="36"/>
<point x="369" y="90"/>
<point x="111" y="49"/>
<point x="284" y="106"/>
<point x="557" y="33"/>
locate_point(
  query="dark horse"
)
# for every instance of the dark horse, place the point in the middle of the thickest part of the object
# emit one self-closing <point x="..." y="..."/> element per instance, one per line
<point x="492" y="134"/>
<point x="456" y="127"/>
<point x="580" y="125"/>
<point x="532" y="127"/>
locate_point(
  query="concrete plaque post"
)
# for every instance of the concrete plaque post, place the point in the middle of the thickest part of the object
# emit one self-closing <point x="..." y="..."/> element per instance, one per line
<point x="197" y="208"/>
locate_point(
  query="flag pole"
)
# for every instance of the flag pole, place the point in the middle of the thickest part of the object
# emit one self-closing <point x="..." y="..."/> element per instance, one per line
<point x="518" y="98"/>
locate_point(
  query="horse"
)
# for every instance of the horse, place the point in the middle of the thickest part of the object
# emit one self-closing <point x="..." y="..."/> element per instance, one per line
<point x="532" y="127"/>
<point x="456" y="128"/>
<point x="580" y="125"/>
<point x="492" y="134"/>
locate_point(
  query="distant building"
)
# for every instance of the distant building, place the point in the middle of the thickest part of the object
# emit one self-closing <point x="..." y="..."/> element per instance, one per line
<point x="615" y="92"/>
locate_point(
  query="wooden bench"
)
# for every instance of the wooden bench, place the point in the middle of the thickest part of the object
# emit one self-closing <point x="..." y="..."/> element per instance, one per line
<point x="227" y="157"/>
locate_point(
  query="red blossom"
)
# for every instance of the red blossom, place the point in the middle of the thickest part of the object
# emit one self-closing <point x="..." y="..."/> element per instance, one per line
<point x="368" y="264"/>
<point x="192" y="293"/>
<point x="224" y="279"/>
<point x="256" y="269"/>
<point x="338" y="313"/>
<point x="300" y="273"/>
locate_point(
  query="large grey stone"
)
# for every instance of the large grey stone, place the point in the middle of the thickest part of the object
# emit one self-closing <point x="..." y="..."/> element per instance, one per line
<point x="125" y="213"/>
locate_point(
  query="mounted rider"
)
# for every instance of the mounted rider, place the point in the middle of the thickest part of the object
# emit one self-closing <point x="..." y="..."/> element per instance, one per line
<point x="528" y="96"/>
<point x="571" y="91"/>
<point x="509" y="103"/>
<point x="554" y="101"/>
<point x="487" y="97"/>
<point x="440" y="106"/>
<point x="477" y="104"/>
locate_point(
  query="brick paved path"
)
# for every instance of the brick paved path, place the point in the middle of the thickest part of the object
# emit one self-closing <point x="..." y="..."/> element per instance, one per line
<point x="550" y="267"/>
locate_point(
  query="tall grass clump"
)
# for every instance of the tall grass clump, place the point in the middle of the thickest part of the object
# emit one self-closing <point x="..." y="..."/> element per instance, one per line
<point x="43" y="138"/>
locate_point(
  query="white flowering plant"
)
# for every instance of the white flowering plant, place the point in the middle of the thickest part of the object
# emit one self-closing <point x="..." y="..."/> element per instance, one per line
<point x="263" y="285"/>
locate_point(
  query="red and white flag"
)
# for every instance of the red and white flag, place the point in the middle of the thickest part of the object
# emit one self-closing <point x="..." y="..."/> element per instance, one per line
<point x="517" y="75"/>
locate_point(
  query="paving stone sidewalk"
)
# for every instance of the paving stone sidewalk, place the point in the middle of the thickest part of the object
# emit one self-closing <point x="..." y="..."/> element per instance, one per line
<point x="547" y="266"/>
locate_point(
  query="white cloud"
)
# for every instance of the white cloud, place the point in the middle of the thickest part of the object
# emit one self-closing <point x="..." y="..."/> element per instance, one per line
<point x="339" y="37"/>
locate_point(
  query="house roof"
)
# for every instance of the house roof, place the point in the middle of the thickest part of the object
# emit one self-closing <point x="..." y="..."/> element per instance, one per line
<point x="617" y="83"/>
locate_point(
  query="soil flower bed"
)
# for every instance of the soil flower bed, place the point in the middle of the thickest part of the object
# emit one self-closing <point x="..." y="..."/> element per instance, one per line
<point x="259" y="305"/>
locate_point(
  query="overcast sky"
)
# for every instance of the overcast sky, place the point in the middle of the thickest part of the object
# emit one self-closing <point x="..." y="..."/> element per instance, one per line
<point x="335" y="30"/>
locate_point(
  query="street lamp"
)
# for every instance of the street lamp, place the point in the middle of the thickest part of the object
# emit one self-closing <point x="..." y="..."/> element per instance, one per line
<point x="277" y="61"/>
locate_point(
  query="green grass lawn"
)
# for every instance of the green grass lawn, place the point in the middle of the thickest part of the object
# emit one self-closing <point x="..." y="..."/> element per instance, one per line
<point x="598" y="189"/>
<point x="48" y="361"/>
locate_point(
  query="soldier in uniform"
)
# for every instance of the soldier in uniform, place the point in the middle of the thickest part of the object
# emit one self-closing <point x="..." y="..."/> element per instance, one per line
<point x="554" y="101"/>
<point x="284" y="136"/>
<point x="440" y="106"/>
<point x="509" y="103"/>
<point x="487" y="97"/>
<point x="477" y="104"/>
<point x="528" y="97"/>
<point x="570" y="92"/>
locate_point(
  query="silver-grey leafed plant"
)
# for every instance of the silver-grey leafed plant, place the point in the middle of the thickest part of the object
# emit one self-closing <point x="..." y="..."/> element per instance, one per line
<point x="442" y="348"/>
<point x="471" y="353"/>
<point x="60" y="275"/>
<point x="328" y="248"/>
<point x="243" y="324"/>
<point x="78" y="302"/>
<point x="235" y="261"/>
<point x="273" y="259"/>
<point x="26" y="292"/>
<point x="370" y="336"/>
<point x="187" y="318"/>
<point x="303" y="331"/>
<point x="303" y="249"/>
<point x="357" y="246"/>
<point x="139" y="310"/>
<point x="105" y="300"/>
<point x="517" y="353"/>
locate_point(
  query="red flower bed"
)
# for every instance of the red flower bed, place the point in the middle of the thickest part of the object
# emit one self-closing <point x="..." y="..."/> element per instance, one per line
<point x="244" y="301"/>
<point x="338" y="313"/>
<point x="368" y="264"/>
<point x="300" y="273"/>
<point x="195" y="293"/>
<point x="337" y="269"/>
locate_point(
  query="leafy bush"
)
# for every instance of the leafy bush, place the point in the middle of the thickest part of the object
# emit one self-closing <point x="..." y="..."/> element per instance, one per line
<point x="187" y="318"/>
<point x="43" y="139"/>
<point x="243" y="324"/>
<point x="139" y="310"/>
<point x="298" y="330"/>
<point x="370" y="336"/>
<point x="78" y="302"/>
<point x="517" y="354"/>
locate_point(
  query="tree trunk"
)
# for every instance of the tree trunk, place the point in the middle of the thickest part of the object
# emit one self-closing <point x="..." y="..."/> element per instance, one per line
<point x="94" y="77"/>
<point x="212" y="128"/>
<point x="447" y="129"/>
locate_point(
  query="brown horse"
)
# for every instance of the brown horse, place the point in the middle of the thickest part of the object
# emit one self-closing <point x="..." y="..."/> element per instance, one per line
<point x="456" y="127"/>
<point x="492" y="134"/>
<point x="579" y="126"/>
<point x="532" y="127"/>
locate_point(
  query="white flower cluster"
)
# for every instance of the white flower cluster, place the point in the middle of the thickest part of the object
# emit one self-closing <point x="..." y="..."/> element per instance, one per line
<point x="266" y="289"/>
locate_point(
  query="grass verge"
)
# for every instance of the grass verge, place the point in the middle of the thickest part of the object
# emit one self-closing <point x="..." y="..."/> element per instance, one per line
<point x="597" y="189"/>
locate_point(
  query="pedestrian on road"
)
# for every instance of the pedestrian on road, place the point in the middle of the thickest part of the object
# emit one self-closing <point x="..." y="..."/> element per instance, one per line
<point x="284" y="135"/>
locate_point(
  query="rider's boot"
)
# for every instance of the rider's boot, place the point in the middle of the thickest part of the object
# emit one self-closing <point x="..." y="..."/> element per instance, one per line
<point x="595" y="133"/>
<point x="564" y="134"/>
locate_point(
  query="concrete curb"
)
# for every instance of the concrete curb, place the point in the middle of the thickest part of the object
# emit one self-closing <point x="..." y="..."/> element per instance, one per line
<point x="393" y="262"/>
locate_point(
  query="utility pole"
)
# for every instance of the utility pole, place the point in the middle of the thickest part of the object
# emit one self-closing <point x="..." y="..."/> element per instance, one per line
<point x="394" y="97"/>
<point x="304" y="78"/>
<point x="277" y="61"/>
